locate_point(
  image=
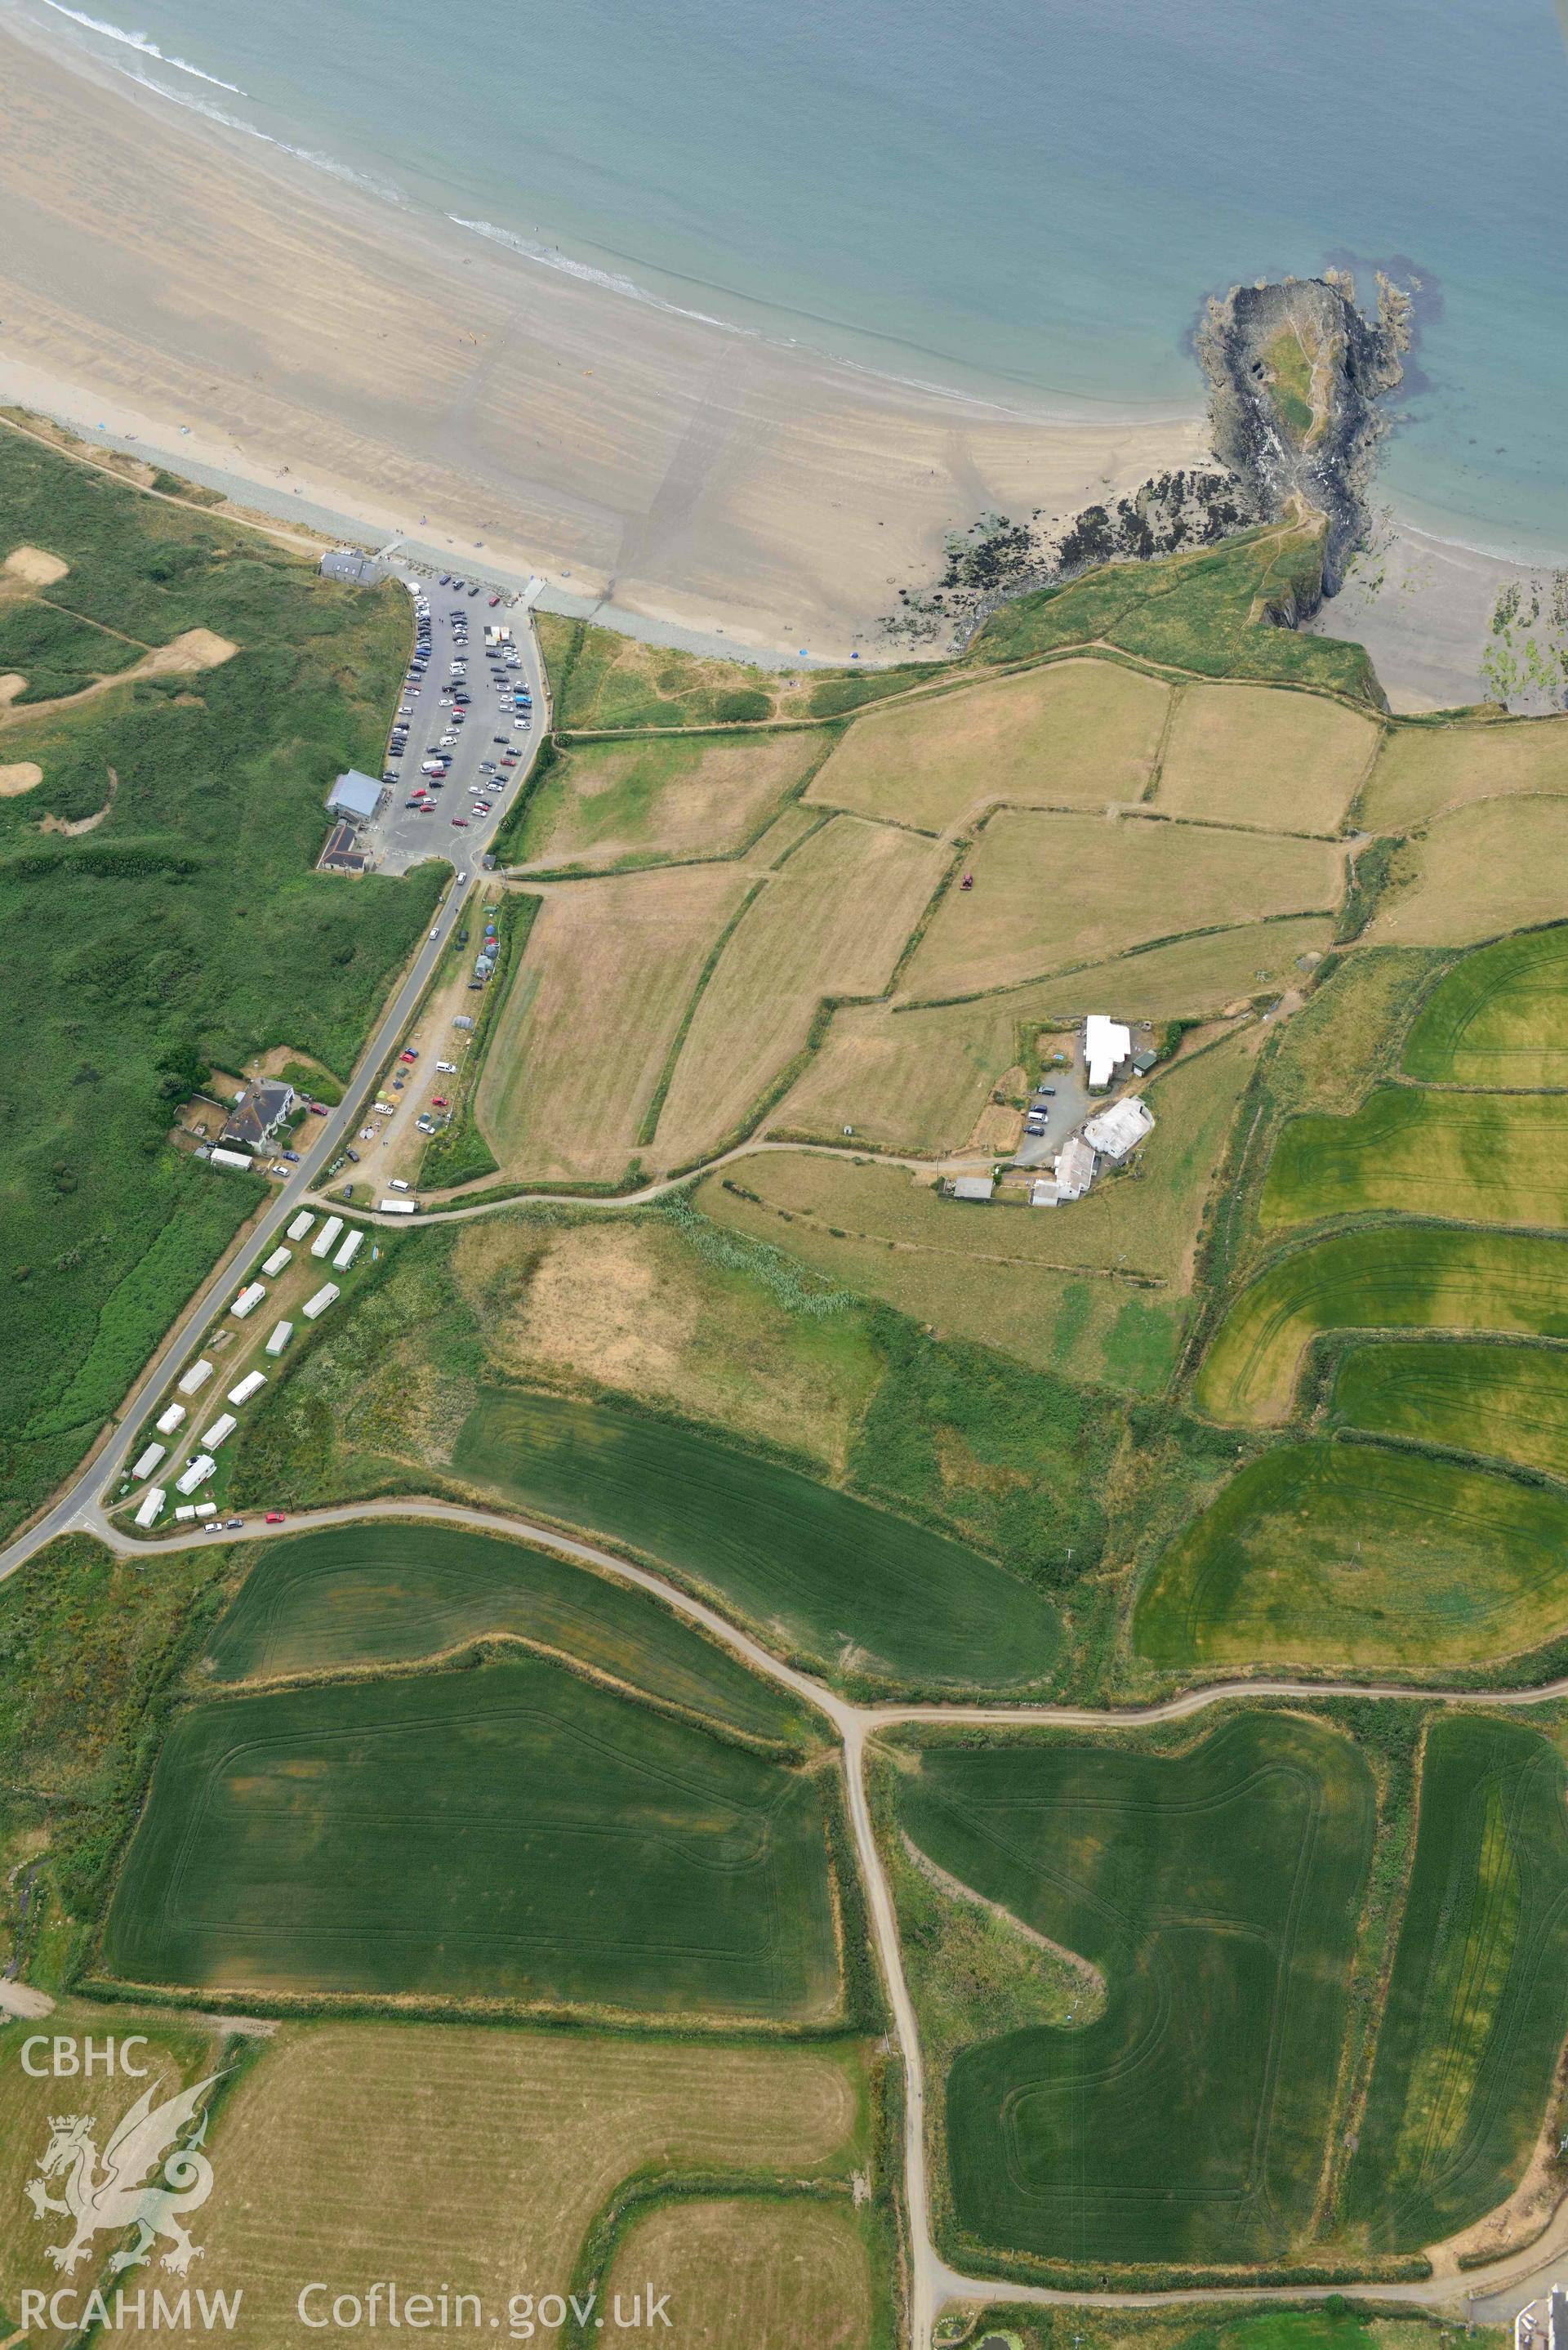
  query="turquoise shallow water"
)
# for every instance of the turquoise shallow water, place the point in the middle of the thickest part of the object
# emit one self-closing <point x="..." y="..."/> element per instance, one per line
<point x="1031" y="196"/>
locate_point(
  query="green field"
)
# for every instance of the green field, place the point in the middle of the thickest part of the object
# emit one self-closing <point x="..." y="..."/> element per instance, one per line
<point x="1219" y="1892"/>
<point x="187" y="929"/>
<point x="510" y="1832"/>
<point x="1496" y="1018"/>
<point x="384" y="1594"/>
<point x="868" y="1595"/>
<point x="1507" y="1402"/>
<point x="1477" y="2006"/>
<point x="1354" y="1556"/>
<point x="1500" y="1158"/>
<point x="1398" y="1276"/>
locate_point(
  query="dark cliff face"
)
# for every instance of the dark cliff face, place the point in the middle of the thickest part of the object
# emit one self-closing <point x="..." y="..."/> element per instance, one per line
<point x="1296" y="376"/>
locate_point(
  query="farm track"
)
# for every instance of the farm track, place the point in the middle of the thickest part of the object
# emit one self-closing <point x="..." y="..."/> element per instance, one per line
<point x="934" y="2284"/>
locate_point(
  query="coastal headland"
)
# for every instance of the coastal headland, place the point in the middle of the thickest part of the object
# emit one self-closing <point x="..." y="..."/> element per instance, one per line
<point x="185" y="285"/>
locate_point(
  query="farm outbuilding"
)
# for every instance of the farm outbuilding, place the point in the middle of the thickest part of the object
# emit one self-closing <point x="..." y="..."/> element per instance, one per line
<point x="1120" y="1128"/>
<point x="973" y="1187"/>
<point x="1075" y="1169"/>
<point x="1106" y="1044"/>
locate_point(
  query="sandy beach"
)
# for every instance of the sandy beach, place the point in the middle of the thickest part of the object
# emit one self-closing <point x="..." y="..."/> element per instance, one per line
<point x="157" y="272"/>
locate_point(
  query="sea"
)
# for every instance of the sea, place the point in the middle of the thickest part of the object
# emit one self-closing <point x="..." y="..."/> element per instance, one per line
<point x="1026" y="200"/>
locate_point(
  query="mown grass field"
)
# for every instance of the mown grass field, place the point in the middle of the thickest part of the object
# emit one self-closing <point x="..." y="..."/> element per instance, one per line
<point x="510" y="1832"/>
<point x="833" y="923"/>
<point x="187" y="929"/>
<point x="1477" y="2008"/>
<point x="1421" y="770"/>
<point x="1397" y="1276"/>
<point x="384" y="1594"/>
<point x="1050" y="889"/>
<point x="1283" y="761"/>
<point x="606" y="803"/>
<point x="1487" y="1158"/>
<point x="1218" y="1891"/>
<point x="1000" y="1282"/>
<point x="1476" y="873"/>
<point x="592" y="1011"/>
<point x="1077" y="734"/>
<point x="1355" y="1556"/>
<point x="770" y="2272"/>
<point x="1229" y="2325"/>
<point x="482" y="2157"/>
<point x="1497" y="1018"/>
<point x="858" y="1591"/>
<point x="1506" y="1403"/>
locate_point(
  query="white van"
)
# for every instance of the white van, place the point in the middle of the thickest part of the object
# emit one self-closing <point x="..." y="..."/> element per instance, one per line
<point x="398" y="1184"/>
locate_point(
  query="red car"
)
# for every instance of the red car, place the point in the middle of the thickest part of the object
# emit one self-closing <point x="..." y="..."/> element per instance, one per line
<point x="440" y="1101"/>
<point x="319" y="1109"/>
<point x="461" y="822"/>
<point x="409" y="1053"/>
<point x="494" y="601"/>
<point x="275" y="1517"/>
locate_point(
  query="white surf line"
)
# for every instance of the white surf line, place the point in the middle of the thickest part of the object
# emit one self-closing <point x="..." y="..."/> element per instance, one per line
<point x="934" y="2284"/>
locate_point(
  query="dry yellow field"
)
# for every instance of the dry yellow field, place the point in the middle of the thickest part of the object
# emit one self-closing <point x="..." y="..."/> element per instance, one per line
<point x="1180" y="981"/>
<point x="833" y="923"/>
<point x="909" y="1081"/>
<point x="1424" y="769"/>
<point x="630" y="1303"/>
<point x="1049" y="890"/>
<point x="1081" y="733"/>
<point x="994" y="1274"/>
<point x="677" y="797"/>
<point x="474" y="2159"/>
<point x="745" y="2274"/>
<point x="1253" y="754"/>
<point x="177" y="2054"/>
<point x="592" y="1009"/>
<point x="1479" y="871"/>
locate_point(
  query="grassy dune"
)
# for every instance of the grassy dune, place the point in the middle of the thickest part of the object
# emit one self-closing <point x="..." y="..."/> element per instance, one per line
<point x="1218" y="1892"/>
<point x="510" y="1832"/>
<point x="1407" y="1277"/>
<point x="1477" y="2008"/>
<point x="1351" y="1557"/>
<point x="1498" y="1018"/>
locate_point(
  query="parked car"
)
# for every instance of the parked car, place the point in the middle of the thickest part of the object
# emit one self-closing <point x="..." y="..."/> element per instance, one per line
<point x="233" y="1525"/>
<point x="354" y="1155"/>
<point x="318" y="1109"/>
<point x="291" y="1157"/>
<point x="447" y="1068"/>
<point x="275" y="1517"/>
<point x="410" y="1053"/>
<point x="440" y="1101"/>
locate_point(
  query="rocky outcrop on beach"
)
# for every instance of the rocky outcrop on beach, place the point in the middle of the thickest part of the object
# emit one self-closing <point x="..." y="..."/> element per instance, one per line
<point x="1297" y="376"/>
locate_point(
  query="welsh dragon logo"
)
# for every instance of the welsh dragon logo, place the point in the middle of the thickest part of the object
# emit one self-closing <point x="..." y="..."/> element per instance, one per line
<point x="122" y="2194"/>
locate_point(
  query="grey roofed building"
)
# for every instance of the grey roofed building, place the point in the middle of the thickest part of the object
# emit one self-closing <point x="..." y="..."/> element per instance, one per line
<point x="258" y="1113"/>
<point x="1075" y="1169"/>
<point x="351" y="569"/>
<point x="973" y="1187"/>
<point x="355" y="796"/>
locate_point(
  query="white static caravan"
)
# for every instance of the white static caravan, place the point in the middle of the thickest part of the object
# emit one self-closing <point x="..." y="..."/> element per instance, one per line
<point x="225" y="1425"/>
<point x="249" y="1299"/>
<point x="198" y="1471"/>
<point x="301" y="1224"/>
<point x="206" y="1508"/>
<point x="320" y="1301"/>
<point x="147" y="1461"/>
<point x="326" y="1236"/>
<point x="168" y="1422"/>
<point x="196" y="1377"/>
<point x="152" y="1500"/>
<point x="283" y="1332"/>
<point x="253" y="1382"/>
<point x="216" y="1157"/>
<point x="276" y="1261"/>
<point x="350" y="1249"/>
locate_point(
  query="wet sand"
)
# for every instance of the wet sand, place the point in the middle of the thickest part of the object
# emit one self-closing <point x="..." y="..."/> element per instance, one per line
<point x="157" y="272"/>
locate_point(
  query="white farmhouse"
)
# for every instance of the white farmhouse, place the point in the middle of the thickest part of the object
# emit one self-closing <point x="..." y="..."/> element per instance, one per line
<point x="1115" y="1132"/>
<point x="1106" y="1044"/>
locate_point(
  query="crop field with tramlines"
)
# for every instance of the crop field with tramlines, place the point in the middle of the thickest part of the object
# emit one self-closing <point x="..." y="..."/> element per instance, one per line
<point x="511" y="1833"/>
